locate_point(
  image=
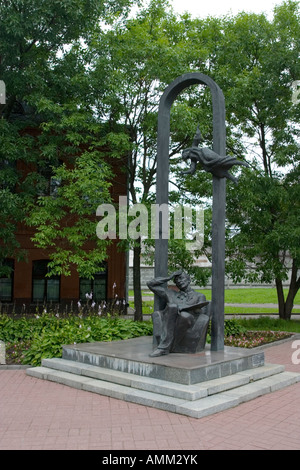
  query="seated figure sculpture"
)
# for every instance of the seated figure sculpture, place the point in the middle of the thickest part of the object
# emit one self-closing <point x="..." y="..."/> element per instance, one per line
<point x="182" y="325"/>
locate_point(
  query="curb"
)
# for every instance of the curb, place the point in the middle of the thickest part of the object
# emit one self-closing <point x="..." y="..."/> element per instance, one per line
<point x="14" y="366"/>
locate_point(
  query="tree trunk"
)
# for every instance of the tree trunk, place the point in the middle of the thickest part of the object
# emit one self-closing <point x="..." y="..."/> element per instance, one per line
<point x="280" y="297"/>
<point x="137" y="292"/>
<point x="286" y="306"/>
<point x="294" y="287"/>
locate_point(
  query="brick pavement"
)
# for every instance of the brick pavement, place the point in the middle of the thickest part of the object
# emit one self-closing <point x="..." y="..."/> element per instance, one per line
<point x="40" y="415"/>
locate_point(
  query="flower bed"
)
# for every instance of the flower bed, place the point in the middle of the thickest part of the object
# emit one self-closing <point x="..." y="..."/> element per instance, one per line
<point x="252" y="339"/>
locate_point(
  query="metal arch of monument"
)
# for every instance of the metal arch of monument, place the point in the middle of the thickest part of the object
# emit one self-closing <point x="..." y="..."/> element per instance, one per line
<point x="219" y="194"/>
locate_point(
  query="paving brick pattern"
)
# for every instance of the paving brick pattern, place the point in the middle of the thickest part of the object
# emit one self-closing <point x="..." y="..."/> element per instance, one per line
<point x="39" y="415"/>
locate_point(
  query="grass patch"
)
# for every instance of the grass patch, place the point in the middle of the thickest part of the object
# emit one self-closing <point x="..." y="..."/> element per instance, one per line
<point x="255" y="295"/>
<point x="269" y="324"/>
<point x="148" y="305"/>
<point x="255" y="311"/>
<point x="238" y="296"/>
<point x="259" y="295"/>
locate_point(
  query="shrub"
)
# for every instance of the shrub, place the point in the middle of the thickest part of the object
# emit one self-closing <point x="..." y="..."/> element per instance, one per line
<point x="43" y="337"/>
<point x="231" y="328"/>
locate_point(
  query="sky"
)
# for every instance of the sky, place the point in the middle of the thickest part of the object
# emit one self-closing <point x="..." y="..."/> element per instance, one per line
<point x="204" y="8"/>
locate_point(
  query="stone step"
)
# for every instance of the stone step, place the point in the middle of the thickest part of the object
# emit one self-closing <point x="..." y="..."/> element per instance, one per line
<point x="110" y="389"/>
<point x="211" y="403"/>
<point x="163" y="387"/>
<point x="234" y="397"/>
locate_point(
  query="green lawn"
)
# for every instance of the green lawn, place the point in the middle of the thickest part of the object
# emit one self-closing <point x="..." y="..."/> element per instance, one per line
<point x="243" y="295"/>
<point x="255" y="310"/>
<point x="270" y="324"/>
<point x="238" y="296"/>
<point x="252" y="295"/>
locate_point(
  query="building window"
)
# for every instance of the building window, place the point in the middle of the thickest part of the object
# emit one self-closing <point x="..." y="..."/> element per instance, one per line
<point x="97" y="286"/>
<point x="7" y="281"/>
<point x="44" y="288"/>
<point x="49" y="184"/>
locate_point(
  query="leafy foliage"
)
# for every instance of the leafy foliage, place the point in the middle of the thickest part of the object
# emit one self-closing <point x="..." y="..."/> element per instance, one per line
<point x="263" y="211"/>
<point x="29" y="340"/>
<point x="43" y="336"/>
<point x="66" y="76"/>
<point x="263" y="127"/>
<point x="48" y="120"/>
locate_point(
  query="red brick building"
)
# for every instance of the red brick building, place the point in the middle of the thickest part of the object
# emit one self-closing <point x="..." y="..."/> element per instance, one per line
<point x="28" y="285"/>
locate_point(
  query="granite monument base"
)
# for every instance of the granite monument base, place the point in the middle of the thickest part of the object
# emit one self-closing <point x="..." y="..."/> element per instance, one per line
<point x="132" y="356"/>
<point x="194" y="385"/>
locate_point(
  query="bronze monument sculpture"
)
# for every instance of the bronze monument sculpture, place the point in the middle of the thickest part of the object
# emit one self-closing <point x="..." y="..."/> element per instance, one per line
<point x="219" y="195"/>
<point x="218" y="164"/>
<point x="181" y="326"/>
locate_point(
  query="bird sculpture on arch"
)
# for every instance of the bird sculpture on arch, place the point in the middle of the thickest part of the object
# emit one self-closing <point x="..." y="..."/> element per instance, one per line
<point x="210" y="160"/>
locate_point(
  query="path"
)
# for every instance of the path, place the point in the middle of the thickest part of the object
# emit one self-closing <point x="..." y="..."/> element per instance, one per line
<point x="35" y="414"/>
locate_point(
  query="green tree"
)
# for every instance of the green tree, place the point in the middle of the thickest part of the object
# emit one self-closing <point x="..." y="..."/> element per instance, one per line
<point x="255" y="61"/>
<point x="138" y="57"/>
<point x="256" y="66"/>
<point x="47" y="119"/>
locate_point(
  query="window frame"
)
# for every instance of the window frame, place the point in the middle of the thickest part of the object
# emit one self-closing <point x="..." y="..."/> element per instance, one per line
<point x="98" y="275"/>
<point x="9" y="261"/>
<point x="42" y="276"/>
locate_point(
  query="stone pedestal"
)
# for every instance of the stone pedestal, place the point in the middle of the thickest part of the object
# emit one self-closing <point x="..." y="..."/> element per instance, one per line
<point x="194" y="385"/>
<point x="132" y="356"/>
